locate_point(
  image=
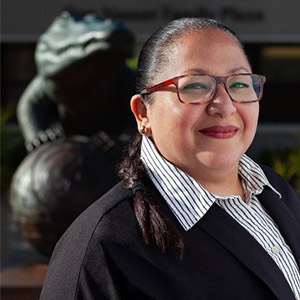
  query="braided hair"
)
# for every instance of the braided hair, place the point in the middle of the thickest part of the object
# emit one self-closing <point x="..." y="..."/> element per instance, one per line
<point x="155" y="227"/>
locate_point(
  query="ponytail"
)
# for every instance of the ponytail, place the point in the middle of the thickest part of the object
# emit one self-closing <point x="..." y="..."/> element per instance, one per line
<point x="154" y="226"/>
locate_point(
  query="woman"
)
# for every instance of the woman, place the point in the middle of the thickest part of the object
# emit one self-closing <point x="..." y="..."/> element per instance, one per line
<point x="194" y="217"/>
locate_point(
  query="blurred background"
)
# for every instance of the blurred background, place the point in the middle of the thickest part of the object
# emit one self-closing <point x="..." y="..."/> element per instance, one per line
<point x="270" y="31"/>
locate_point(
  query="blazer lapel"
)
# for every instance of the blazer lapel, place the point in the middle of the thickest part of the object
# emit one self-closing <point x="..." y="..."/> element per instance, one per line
<point x="285" y="220"/>
<point x="223" y="228"/>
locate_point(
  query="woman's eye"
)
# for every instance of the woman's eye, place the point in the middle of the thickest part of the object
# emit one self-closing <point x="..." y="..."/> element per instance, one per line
<point x="195" y="85"/>
<point x="238" y="85"/>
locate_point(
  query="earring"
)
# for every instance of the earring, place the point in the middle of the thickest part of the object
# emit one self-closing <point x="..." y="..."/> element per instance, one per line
<point x="143" y="129"/>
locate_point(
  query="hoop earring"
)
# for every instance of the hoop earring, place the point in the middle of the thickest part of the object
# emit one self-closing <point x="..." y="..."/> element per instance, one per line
<point x="143" y="129"/>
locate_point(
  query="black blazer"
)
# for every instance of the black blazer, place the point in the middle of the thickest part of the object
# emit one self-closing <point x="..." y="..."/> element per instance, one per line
<point x="101" y="256"/>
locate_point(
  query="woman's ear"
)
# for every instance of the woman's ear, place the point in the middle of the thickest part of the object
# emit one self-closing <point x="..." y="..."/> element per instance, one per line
<point x="140" y="111"/>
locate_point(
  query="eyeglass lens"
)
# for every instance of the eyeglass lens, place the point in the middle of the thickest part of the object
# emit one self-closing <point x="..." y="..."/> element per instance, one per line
<point x="200" y="88"/>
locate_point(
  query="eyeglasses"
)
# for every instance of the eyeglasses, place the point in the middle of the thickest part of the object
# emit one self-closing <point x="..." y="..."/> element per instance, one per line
<point x="201" y="89"/>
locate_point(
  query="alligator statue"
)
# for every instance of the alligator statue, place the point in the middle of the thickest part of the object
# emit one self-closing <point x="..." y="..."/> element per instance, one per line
<point x="75" y="119"/>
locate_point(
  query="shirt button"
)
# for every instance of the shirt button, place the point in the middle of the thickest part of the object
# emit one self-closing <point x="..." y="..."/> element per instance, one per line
<point x="275" y="249"/>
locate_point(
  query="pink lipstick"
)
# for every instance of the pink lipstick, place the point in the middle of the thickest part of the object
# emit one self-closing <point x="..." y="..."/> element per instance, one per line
<point x="220" y="132"/>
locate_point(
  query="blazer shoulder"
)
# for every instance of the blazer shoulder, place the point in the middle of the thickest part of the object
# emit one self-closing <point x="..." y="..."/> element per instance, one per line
<point x="74" y="247"/>
<point x="276" y="180"/>
<point x="106" y="204"/>
<point x="289" y="196"/>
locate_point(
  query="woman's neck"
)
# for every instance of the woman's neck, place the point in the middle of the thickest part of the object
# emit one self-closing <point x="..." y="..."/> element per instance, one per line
<point x="222" y="183"/>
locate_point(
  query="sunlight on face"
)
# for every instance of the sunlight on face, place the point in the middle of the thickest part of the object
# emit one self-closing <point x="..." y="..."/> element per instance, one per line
<point x="203" y="137"/>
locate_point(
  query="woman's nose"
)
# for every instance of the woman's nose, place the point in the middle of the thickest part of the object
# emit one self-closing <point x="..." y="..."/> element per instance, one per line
<point x="221" y="105"/>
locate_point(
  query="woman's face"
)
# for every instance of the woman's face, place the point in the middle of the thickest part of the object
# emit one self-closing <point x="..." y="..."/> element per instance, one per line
<point x="206" y="138"/>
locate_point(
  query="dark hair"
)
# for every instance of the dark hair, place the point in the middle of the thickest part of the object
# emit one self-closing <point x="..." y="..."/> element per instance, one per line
<point x="156" y="49"/>
<point x="154" y="225"/>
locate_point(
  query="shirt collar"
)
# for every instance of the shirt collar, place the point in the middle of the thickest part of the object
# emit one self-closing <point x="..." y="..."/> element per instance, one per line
<point x="187" y="199"/>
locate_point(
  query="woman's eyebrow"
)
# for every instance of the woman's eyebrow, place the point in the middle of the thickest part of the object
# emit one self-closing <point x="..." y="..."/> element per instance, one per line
<point x="203" y="71"/>
<point x="196" y="71"/>
<point x="234" y="70"/>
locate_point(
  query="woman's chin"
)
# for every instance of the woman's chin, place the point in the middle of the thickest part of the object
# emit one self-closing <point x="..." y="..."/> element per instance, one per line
<point x="219" y="161"/>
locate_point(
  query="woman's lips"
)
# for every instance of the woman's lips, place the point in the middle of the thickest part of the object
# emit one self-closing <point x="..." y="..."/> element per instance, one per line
<point x="220" y="132"/>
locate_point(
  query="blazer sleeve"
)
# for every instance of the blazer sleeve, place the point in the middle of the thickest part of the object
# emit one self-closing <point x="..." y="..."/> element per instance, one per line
<point x="101" y="256"/>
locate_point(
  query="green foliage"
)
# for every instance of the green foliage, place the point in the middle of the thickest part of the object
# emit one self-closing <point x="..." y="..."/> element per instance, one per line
<point x="132" y="62"/>
<point x="286" y="162"/>
<point x="12" y="148"/>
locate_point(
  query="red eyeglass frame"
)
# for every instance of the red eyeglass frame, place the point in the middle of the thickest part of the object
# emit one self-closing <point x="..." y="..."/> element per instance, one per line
<point x="218" y="80"/>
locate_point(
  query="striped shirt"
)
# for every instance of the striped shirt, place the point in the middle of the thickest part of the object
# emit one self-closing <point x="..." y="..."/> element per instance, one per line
<point x="189" y="202"/>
